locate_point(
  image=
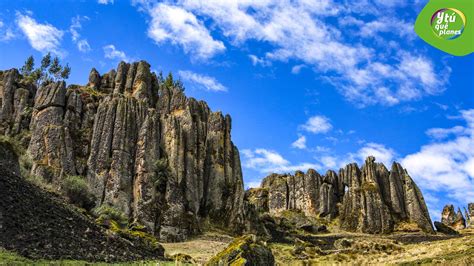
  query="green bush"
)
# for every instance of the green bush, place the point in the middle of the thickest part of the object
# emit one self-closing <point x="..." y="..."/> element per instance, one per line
<point x="77" y="192"/>
<point x="109" y="215"/>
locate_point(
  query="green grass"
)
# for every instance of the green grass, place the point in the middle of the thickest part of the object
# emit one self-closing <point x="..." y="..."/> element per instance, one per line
<point x="11" y="258"/>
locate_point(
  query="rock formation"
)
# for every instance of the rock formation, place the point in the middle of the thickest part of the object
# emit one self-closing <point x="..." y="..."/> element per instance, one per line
<point x="370" y="199"/>
<point x="453" y="219"/>
<point x="16" y="101"/>
<point x="469" y="215"/>
<point x="448" y="215"/>
<point x="115" y="131"/>
<point x="443" y="228"/>
<point x="245" y="250"/>
<point x="168" y="162"/>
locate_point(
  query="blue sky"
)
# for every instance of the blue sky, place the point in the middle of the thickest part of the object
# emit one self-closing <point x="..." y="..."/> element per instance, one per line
<point x="308" y="83"/>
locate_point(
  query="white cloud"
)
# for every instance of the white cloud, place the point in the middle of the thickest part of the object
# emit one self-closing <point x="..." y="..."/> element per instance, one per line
<point x="379" y="151"/>
<point x="111" y="52"/>
<point x="447" y="166"/>
<point x="259" y="61"/>
<point x="442" y="133"/>
<point x="6" y="33"/>
<point x="329" y="162"/>
<point x="372" y="29"/>
<point x="82" y="44"/>
<point x="268" y="161"/>
<point x="105" y="2"/>
<point x="252" y="184"/>
<point x="42" y="37"/>
<point x="296" y="69"/>
<point x="363" y="74"/>
<point x="202" y="81"/>
<point x="300" y="143"/>
<point x="317" y="124"/>
<point x="178" y="26"/>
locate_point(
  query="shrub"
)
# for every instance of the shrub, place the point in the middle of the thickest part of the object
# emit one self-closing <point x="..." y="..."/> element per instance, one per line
<point x="77" y="192"/>
<point x="106" y="214"/>
<point x="16" y="144"/>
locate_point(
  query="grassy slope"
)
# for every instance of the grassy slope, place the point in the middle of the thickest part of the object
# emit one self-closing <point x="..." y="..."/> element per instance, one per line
<point x="11" y="258"/>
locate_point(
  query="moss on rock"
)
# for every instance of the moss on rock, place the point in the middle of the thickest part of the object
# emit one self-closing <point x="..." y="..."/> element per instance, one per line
<point x="245" y="250"/>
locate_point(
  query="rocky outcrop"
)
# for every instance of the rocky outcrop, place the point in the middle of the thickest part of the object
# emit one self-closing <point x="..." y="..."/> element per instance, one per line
<point x="459" y="221"/>
<point x="16" y="100"/>
<point x="447" y="215"/>
<point x="310" y="192"/>
<point x="453" y="219"/>
<point x="370" y="199"/>
<point x="469" y="215"/>
<point x="245" y="250"/>
<point x="164" y="160"/>
<point x="443" y="228"/>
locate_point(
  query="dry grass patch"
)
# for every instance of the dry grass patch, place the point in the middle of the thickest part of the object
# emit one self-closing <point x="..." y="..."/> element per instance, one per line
<point x="201" y="248"/>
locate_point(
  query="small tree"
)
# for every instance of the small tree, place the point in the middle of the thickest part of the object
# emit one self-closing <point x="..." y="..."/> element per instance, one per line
<point x="46" y="61"/>
<point x="49" y="71"/>
<point x="77" y="192"/>
<point x="170" y="82"/>
<point x="28" y="67"/>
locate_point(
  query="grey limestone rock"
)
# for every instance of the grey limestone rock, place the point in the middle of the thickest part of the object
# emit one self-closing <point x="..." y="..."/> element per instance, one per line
<point x="370" y="199"/>
<point x="116" y="130"/>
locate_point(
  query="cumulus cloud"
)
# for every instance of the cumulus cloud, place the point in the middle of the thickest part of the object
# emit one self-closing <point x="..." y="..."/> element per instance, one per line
<point x="82" y="43"/>
<point x="201" y="81"/>
<point x="42" y="37"/>
<point x="446" y="165"/>
<point x="269" y="161"/>
<point x="300" y="143"/>
<point x="362" y="74"/>
<point x="179" y="26"/>
<point x="111" y="52"/>
<point x="379" y="151"/>
<point x="317" y="124"/>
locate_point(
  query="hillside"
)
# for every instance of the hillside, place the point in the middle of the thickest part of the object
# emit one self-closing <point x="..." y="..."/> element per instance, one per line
<point x="39" y="225"/>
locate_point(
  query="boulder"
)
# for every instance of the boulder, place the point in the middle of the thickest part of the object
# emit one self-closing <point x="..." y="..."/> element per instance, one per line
<point x="443" y="228"/>
<point x="245" y="250"/>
